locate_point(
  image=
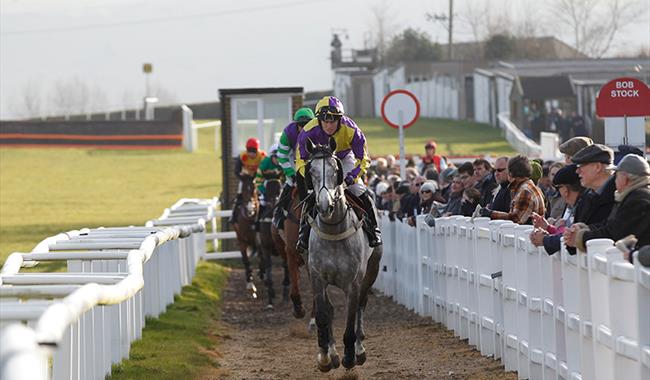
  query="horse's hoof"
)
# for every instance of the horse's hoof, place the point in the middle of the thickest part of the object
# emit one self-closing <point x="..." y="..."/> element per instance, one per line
<point x="250" y="287"/>
<point x="336" y="361"/>
<point x="298" y="311"/>
<point x="311" y="326"/>
<point x="361" y="358"/>
<point x="348" y="363"/>
<point x="325" y="368"/>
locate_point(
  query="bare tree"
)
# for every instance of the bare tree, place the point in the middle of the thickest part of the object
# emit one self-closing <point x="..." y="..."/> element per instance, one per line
<point x="474" y="18"/>
<point x="69" y="97"/>
<point x="165" y="96"/>
<point x="30" y="102"/>
<point x="98" y="100"/>
<point x="383" y="25"/>
<point x="529" y="24"/>
<point x="595" y="23"/>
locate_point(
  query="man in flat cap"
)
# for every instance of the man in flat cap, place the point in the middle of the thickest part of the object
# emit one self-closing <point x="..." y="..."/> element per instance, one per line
<point x="567" y="183"/>
<point x="624" y="150"/>
<point x="630" y="215"/>
<point x="594" y="166"/>
<point x="572" y="146"/>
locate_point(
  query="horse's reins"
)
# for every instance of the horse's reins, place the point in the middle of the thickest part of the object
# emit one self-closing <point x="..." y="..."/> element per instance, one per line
<point x="339" y="195"/>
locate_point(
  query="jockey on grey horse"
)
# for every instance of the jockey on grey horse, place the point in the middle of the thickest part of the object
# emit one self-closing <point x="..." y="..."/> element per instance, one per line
<point x="330" y="122"/>
<point x="340" y="255"/>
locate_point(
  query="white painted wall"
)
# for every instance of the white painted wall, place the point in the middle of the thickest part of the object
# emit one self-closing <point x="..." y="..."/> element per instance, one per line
<point x="481" y="98"/>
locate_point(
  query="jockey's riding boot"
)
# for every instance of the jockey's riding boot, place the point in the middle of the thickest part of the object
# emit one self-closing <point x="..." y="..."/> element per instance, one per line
<point x="235" y="209"/>
<point x="303" y="233"/>
<point x="281" y="206"/>
<point x="371" y="227"/>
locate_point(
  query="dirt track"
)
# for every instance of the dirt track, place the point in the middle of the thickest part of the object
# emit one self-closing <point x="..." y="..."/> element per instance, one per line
<point x="261" y="344"/>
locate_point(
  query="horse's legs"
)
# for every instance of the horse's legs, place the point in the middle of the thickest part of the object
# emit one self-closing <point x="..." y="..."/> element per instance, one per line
<point x="245" y="260"/>
<point x="349" y="337"/>
<point x="281" y="249"/>
<point x="250" y="286"/>
<point x="294" y="273"/>
<point x="372" y="270"/>
<point x="261" y="264"/>
<point x="334" y="355"/>
<point x="323" y="321"/>
<point x="285" y="282"/>
<point x="268" y="277"/>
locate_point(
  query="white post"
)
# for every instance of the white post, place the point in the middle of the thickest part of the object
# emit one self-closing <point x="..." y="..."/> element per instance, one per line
<point x="402" y="158"/>
<point x="190" y="139"/>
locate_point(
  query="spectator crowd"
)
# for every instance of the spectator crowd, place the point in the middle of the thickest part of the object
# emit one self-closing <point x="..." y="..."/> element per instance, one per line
<point x="594" y="193"/>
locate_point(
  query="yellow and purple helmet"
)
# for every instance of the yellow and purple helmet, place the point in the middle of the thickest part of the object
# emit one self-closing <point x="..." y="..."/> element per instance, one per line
<point x="329" y="108"/>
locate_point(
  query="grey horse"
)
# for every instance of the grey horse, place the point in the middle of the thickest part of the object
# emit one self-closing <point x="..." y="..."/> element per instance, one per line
<point x="338" y="255"/>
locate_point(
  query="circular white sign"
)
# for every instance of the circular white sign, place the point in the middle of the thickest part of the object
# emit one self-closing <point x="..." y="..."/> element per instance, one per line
<point x="400" y="101"/>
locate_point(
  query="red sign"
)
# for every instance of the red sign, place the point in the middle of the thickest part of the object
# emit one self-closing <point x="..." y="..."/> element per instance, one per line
<point x="400" y="104"/>
<point x="623" y="97"/>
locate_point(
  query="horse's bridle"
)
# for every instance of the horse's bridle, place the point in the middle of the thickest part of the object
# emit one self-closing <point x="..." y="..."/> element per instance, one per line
<point x="338" y="194"/>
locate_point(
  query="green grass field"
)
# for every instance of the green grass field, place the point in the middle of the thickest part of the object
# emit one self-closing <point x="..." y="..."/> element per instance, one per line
<point x="453" y="137"/>
<point x="47" y="191"/>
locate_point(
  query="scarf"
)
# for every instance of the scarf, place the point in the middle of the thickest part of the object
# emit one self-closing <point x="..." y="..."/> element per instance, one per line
<point x="636" y="184"/>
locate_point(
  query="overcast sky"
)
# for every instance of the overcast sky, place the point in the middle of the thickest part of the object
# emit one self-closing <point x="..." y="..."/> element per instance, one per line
<point x="199" y="46"/>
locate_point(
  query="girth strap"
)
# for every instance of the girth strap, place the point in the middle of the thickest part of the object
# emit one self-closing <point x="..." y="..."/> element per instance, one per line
<point x="343" y="235"/>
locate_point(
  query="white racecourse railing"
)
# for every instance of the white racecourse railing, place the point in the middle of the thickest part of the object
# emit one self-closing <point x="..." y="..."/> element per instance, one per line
<point x="546" y="317"/>
<point x="85" y="319"/>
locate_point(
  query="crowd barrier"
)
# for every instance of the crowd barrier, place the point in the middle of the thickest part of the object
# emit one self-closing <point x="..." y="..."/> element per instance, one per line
<point x="560" y="316"/>
<point x="76" y="324"/>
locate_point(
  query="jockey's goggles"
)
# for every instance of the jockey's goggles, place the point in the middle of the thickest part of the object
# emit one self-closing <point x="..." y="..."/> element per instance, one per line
<point x="329" y="117"/>
<point x="329" y="114"/>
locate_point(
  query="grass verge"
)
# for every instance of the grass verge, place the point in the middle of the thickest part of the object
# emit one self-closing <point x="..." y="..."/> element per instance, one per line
<point x="181" y="343"/>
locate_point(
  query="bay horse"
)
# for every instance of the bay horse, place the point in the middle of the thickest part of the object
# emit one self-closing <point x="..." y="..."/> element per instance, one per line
<point x="286" y="244"/>
<point x="266" y="243"/>
<point x="244" y="227"/>
<point x="339" y="255"/>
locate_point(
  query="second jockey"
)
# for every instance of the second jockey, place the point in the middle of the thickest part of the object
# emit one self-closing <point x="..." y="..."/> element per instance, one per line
<point x="330" y="122"/>
<point x="286" y="158"/>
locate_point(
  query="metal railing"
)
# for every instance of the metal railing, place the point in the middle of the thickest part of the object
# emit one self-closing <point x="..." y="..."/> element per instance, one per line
<point x="517" y="138"/>
<point x="85" y="320"/>
<point x="547" y="317"/>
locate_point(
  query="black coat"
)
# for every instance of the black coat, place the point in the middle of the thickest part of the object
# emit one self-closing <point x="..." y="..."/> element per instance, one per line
<point x="502" y="199"/>
<point x="594" y="208"/>
<point x="631" y="216"/>
<point x="410" y="204"/>
<point x="486" y="187"/>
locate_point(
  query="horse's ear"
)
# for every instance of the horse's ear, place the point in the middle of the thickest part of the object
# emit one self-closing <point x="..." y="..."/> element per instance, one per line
<point x="310" y="146"/>
<point x="332" y="144"/>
